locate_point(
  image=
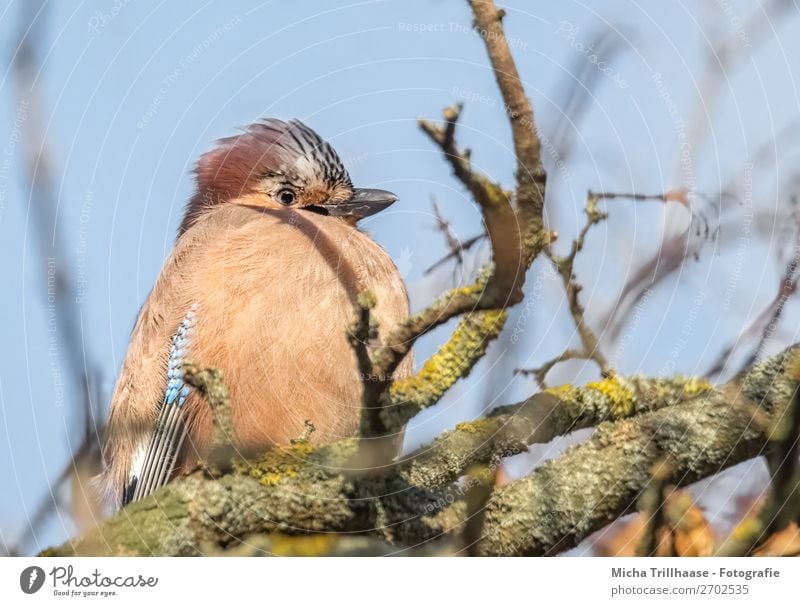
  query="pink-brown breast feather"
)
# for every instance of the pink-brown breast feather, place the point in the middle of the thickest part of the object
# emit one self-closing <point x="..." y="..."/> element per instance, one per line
<point x="275" y="291"/>
<point x="274" y="302"/>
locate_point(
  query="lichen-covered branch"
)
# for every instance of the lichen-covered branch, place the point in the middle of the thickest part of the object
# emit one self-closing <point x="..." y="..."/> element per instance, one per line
<point x="294" y="489"/>
<point x="568" y="498"/>
<point x="508" y="430"/>
<point x="305" y="489"/>
<point x="453" y="361"/>
<point x="782" y="507"/>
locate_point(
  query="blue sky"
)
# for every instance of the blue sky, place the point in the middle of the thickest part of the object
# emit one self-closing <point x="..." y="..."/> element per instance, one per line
<point x="134" y="91"/>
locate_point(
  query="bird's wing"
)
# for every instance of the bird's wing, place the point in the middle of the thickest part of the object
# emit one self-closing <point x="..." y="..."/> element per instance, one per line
<point x="153" y="466"/>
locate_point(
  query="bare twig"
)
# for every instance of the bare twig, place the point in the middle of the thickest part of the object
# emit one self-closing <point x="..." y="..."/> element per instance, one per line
<point x="670" y="196"/>
<point x="565" y="266"/>
<point x="540" y="372"/>
<point x="41" y="169"/>
<point x="590" y="346"/>
<point x="456" y="248"/>
<point x="443" y="227"/>
<point x="767" y="320"/>
<point x="463" y="246"/>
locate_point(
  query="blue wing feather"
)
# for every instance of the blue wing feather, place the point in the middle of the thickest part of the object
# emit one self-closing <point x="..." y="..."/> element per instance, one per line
<point x="158" y="462"/>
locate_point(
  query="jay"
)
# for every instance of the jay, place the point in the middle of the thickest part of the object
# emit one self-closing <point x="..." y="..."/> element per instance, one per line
<point x="261" y="284"/>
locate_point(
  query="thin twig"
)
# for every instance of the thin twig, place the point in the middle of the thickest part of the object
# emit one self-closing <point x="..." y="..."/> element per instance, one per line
<point x="443" y="227"/>
<point x="766" y="321"/>
<point x="41" y="169"/>
<point x="540" y="372"/>
<point x="463" y="246"/>
<point x="565" y="266"/>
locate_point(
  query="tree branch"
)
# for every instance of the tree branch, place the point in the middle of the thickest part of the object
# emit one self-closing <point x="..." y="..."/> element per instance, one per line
<point x="302" y="489"/>
<point x="514" y="224"/>
<point x="568" y="498"/>
<point x="565" y="266"/>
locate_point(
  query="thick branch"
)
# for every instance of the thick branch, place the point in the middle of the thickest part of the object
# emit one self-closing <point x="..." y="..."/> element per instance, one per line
<point x="301" y="489"/>
<point x="508" y="430"/>
<point x="567" y="499"/>
<point x="527" y="147"/>
<point x="783" y="505"/>
<point x="295" y="489"/>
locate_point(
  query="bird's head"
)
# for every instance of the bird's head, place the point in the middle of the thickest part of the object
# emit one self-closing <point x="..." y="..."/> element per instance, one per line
<point x="280" y="165"/>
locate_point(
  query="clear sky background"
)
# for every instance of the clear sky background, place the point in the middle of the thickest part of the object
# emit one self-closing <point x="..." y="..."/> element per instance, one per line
<point x="135" y="91"/>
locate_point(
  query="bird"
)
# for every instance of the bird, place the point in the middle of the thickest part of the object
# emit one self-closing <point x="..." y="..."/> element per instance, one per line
<point x="261" y="284"/>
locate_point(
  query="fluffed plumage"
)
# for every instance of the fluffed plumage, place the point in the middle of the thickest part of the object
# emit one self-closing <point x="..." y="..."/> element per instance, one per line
<point x="261" y="284"/>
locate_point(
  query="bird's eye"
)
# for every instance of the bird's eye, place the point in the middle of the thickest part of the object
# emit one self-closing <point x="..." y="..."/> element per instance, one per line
<point x="287" y="197"/>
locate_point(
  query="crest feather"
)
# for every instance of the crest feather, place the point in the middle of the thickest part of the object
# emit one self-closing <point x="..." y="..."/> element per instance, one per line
<point x="236" y="164"/>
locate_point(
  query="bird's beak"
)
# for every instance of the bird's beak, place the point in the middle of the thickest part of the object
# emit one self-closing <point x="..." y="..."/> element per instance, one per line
<point x="363" y="203"/>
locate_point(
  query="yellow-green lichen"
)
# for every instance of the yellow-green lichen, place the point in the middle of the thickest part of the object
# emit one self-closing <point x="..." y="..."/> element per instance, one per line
<point x="304" y="546"/>
<point x="561" y="390"/>
<point x="693" y="386"/>
<point x="289" y="461"/>
<point x="477" y="426"/>
<point x="366" y="300"/>
<point x="496" y="195"/>
<point x="277" y="465"/>
<point x="299" y="448"/>
<point x="620" y="396"/>
<point x="453" y="361"/>
<point x="462" y="291"/>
